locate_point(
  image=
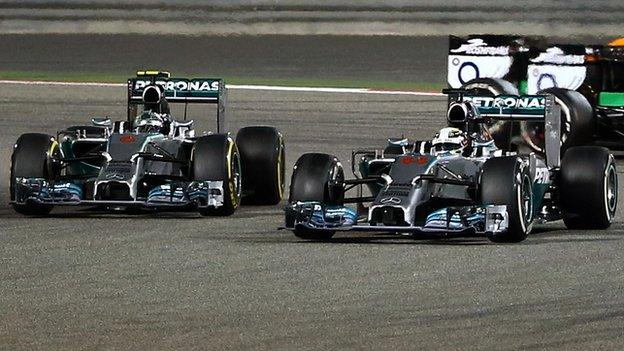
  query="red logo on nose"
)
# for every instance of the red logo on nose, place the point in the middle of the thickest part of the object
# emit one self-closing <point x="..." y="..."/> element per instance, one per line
<point x="127" y="139"/>
<point x="407" y="160"/>
<point x="421" y="160"/>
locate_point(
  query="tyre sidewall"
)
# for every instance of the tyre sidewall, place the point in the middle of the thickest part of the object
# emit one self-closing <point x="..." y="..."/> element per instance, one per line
<point x="262" y="154"/>
<point x="32" y="157"/>
<point x="312" y="177"/>
<point x="506" y="181"/>
<point x="577" y="119"/>
<point x="215" y="158"/>
<point x="584" y="184"/>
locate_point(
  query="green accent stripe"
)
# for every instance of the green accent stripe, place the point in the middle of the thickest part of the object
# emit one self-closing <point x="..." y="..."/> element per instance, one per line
<point x="611" y="99"/>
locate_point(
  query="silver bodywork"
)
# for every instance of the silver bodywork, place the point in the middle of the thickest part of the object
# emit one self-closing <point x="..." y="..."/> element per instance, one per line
<point x="129" y="157"/>
<point x="417" y="192"/>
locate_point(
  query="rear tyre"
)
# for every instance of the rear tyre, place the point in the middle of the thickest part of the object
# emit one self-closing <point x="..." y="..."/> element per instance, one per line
<point x="505" y="181"/>
<point x="577" y="121"/>
<point x="215" y="157"/>
<point x="491" y="86"/>
<point x="589" y="189"/>
<point x="316" y="177"/>
<point x="262" y="156"/>
<point x="32" y="157"/>
<point x="501" y="130"/>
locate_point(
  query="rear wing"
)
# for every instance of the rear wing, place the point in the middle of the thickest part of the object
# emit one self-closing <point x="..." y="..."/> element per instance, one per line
<point x="179" y="90"/>
<point x="524" y="108"/>
<point x="562" y="66"/>
<point x="489" y="56"/>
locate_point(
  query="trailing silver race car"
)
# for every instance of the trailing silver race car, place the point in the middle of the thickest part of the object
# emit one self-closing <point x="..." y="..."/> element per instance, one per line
<point x="151" y="160"/>
<point x="460" y="183"/>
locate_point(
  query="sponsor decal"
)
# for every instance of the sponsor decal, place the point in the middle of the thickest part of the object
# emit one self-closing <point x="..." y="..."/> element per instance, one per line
<point x="114" y="176"/>
<point x="479" y="47"/>
<point x="542" y="176"/>
<point x="127" y="139"/>
<point x="181" y="84"/>
<point x="546" y="80"/>
<point x="555" y="55"/>
<point x="421" y="160"/>
<point x="464" y="75"/>
<point x="508" y="102"/>
<point x="408" y="160"/>
<point x="390" y="201"/>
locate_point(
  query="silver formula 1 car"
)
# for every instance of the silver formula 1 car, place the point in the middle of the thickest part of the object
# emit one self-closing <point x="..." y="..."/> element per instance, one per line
<point x="150" y="160"/>
<point x="460" y="183"/>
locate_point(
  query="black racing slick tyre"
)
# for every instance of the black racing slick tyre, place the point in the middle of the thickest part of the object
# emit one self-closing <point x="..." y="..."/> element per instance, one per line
<point x="577" y="121"/>
<point x="588" y="189"/>
<point x="491" y="86"/>
<point x="501" y="130"/>
<point x="215" y="158"/>
<point x="506" y="181"/>
<point x="33" y="157"/>
<point x="316" y="177"/>
<point x="262" y="154"/>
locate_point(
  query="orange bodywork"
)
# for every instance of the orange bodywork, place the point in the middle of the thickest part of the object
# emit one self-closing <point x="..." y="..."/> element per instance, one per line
<point x="617" y="42"/>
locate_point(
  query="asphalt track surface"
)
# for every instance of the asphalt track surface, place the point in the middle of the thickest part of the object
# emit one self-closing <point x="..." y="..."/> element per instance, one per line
<point x="84" y="280"/>
<point x="380" y="58"/>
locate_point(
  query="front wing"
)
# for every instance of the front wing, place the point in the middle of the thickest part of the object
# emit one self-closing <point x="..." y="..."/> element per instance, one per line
<point x="198" y="194"/>
<point x="458" y="221"/>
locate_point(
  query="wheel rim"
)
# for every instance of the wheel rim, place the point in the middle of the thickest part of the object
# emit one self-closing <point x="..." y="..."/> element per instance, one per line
<point x="281" y="171"/>
<point x="525" y="200"/>
<point x="236" y="174"/>
<point x="610" y="190"/>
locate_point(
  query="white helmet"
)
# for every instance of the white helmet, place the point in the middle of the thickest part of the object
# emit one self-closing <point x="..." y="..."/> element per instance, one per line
<point x="449" y="141"/>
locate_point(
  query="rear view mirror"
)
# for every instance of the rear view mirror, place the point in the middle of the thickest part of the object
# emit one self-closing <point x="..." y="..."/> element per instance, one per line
<point x="101" y="121"/>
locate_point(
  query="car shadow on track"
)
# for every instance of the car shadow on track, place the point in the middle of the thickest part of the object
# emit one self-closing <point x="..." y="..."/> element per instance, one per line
<point x="539" y="236"/>
<point x="87" y="213"/>
<point x="248" y="212"/>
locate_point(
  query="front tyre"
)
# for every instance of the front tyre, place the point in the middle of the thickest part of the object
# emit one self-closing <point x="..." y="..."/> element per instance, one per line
<point x="215" y="158"/>
<point x="33" y="157"/>
<point x="316" y="177"/>
<point x="506" y="181"/>
<point x="263" y="164"/>
<point x="589" y="189"/>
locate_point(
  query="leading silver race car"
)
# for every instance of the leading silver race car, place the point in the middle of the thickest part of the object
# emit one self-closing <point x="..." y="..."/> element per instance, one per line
<point x="151" y="160"/>
<point x="460" y="183"/>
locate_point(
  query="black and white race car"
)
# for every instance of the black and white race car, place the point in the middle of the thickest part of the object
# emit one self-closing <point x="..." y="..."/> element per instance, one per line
<point x="587" y="80"/>
<point x="151" y="160"/>
<point x="460" y="183"/>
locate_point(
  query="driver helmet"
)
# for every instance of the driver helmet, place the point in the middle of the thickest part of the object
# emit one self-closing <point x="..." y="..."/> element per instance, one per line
<point x="151" y="122"/>
<point x="449" y="141"/>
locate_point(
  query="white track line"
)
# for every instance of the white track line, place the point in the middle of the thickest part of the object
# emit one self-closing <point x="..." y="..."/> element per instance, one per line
<point x="245" y="87"/>
<point x="332" y="90"/>
<point x="38" y="82"/>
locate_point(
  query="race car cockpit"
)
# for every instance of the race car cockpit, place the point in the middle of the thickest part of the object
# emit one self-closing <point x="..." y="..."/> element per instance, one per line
<point x="152" y="122"/>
